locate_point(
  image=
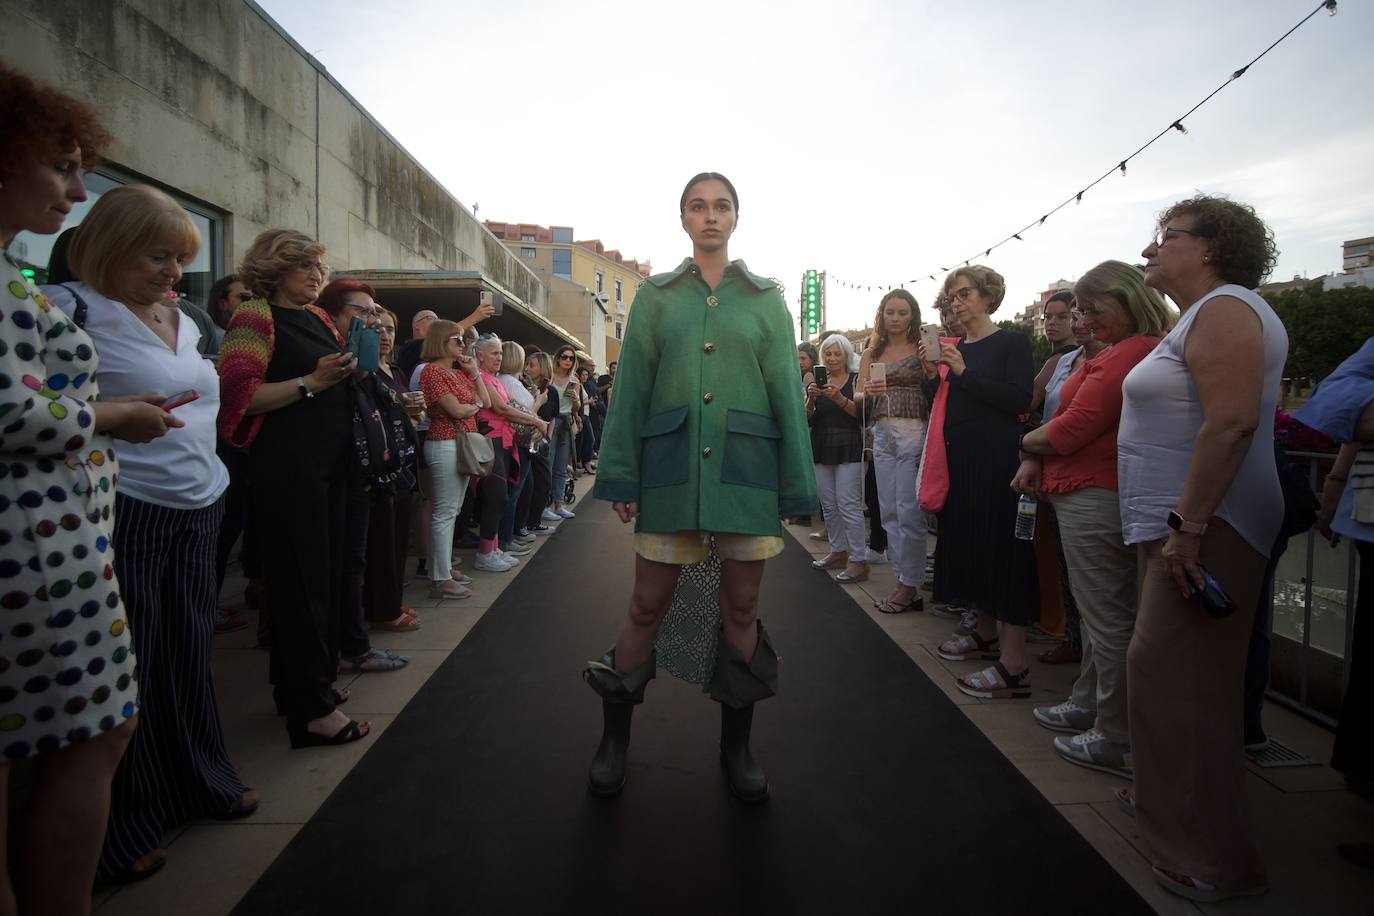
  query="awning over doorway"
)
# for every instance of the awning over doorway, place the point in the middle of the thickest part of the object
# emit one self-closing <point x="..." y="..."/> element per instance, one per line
<point x="454" y="294"/>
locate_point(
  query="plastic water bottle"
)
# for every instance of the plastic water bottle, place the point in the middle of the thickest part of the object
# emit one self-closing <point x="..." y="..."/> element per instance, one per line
<point x="1025" y="517"/>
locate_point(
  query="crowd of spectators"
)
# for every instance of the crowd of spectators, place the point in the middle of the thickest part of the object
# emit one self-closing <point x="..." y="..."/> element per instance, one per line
<point x="284" y="418"/>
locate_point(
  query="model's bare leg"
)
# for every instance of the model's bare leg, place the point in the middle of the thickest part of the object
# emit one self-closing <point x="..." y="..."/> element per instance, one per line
<point x="739" y="603"/>
<point x="653" y="592"/>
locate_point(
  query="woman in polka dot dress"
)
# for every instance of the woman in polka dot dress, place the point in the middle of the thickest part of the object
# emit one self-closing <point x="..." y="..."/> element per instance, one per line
<point x="68" y="695"/>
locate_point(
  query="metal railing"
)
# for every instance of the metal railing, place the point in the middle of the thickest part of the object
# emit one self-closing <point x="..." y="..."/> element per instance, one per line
<point x="1318" y="463"/>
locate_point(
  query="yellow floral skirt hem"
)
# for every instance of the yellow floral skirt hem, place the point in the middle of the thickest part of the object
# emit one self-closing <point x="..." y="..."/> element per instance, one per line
<point x="683" y="547"/>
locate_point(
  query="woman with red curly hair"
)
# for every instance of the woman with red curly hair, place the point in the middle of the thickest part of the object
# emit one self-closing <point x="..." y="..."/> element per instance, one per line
<point x="68" y="695"/>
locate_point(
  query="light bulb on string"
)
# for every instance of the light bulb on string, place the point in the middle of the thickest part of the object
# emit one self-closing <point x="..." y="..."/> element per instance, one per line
<point x="1122" y="166"/>
<point x="1330" y="7"/>
<point x="1178" y="126"/>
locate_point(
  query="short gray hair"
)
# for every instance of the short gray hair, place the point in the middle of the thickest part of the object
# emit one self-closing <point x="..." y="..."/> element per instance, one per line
<point x="851" y="359"/>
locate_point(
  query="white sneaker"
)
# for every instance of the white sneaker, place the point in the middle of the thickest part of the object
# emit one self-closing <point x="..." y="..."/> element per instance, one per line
<point x="514" y="549"/>
<point x="506" y="558"/>
<point x="551" y="516"/>
<point x="491" y="562"/>
<point x="565" y="512"/>
<point x="876" y="556"/>
<point x="1068" y="717"/>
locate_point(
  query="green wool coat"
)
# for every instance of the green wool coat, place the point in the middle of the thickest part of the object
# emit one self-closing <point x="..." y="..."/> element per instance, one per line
<point x="707" y="429"/>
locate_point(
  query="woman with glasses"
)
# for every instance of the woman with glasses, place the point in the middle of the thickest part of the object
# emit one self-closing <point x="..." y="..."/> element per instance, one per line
<point x="344" y="300"/>
<point x="1200" y="497"/>
<point x="706" y="440"/>
<point x="285" y="398"/>
<point x="564" y="381"/>
<point x="1070" y="461"/>
<point x="454" y="396"/>
<point x="979" y="561"/>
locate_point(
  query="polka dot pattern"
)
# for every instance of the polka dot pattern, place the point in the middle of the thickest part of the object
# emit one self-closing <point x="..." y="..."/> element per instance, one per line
<point x="67" y="666"/>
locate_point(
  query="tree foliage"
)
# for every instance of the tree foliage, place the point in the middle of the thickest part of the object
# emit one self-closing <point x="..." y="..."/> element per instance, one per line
<point x="1324" y="326"/>
<point x="1040" y="347"/>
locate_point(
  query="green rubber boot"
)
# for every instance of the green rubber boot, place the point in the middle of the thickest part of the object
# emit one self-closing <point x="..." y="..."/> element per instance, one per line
<point x="737" y="684"/>
<point x="620" y="694"/>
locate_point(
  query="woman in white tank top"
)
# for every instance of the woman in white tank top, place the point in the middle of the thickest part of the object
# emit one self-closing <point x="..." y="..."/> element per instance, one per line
<point x="1199" y="490"/>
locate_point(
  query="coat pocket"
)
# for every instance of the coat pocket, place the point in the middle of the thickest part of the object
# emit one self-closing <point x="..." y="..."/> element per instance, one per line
<point x="751" y="450"/>
<point x="663" y="449"/>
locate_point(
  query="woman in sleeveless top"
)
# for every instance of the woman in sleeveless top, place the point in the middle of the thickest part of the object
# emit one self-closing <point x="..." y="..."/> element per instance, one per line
<point x="1199" y="489"/>
<point x="837" y="447"/>
<point x="898" y="405"/>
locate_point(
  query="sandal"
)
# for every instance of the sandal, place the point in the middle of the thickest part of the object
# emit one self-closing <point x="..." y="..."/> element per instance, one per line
<point x="995" y="683"/>
<point x="304" y="737"/>
<point x="243" y="806"/>
<point x="965" y="645"/>
<point x="403" y="624"/>
<point x="1199" y="890"/>
<point x="888" y="606"/>
<point x="374" y="661"/>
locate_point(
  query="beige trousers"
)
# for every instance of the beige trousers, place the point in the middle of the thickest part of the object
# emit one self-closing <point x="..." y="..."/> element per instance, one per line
<point x="1186" y="673"/>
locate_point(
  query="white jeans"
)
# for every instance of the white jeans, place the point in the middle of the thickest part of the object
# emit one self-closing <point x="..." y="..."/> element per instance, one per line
<point x="897" y="446"/>
<point x="446" y="498"/>
<point x="841" y="488"/>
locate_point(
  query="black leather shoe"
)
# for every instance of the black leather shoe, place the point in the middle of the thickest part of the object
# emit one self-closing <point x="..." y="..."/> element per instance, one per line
<point x="747" y="779"/>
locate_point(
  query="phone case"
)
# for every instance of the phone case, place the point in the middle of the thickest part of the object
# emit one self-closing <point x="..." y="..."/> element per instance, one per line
<point x="365" y="344"/>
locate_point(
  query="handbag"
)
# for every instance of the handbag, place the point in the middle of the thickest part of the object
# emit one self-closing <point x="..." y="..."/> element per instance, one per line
<point x="476" y="456"/>
<point x="383" y="438"/>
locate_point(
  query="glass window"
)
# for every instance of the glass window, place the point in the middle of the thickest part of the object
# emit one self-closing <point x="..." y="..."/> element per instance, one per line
<point x="35" y="251"/>
<point x="527" y="237"/>
<point x="619" y="326"/>
<point x="600" y="281"/>
<point x="562" y="263"/>
<point x="619" y="290"/>
<point x="527" y="252"/>
<point x="563" y="235"/>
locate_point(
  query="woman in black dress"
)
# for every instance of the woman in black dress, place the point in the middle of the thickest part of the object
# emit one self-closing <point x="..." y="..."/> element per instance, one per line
<point x="979" y="562"/>
<point x="281" y="366"/>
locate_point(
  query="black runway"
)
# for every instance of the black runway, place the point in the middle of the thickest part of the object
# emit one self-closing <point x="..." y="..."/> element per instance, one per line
<point x="885" y="798"/>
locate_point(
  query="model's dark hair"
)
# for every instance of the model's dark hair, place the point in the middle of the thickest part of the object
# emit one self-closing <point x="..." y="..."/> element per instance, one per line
<point x="707" y="176"/>
<point x="877" y="341"/>
<point x="1064" y="295"/>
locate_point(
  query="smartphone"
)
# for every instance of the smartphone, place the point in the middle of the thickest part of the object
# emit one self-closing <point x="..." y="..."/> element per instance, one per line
<point x="180" y="398"/>
<point x="821" y="376"/>
<point x="930" y="336"/>
<point x="1213" y="597"/>
<point x="365" y="345"/>
<point x="497" y="301"/>
<point x="877" y="372"/>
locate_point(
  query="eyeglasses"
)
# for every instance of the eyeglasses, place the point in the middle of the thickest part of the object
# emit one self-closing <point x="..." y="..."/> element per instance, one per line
<point x="1162" y="234"/>
<point x="365" y="309"/>
<point x="310" y="266"/>
<point x="963" y="292"/>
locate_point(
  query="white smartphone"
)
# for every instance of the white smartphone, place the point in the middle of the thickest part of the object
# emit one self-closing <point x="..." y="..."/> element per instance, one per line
<point x="877" y="372"/>
<point x="930" y="336"/>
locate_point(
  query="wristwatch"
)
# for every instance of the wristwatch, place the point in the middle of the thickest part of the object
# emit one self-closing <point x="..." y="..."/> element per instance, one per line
<point x="1179" y="523"/>
<point x="305" y="389"/>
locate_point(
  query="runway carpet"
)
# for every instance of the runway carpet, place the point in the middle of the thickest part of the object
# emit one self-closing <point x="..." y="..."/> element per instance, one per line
<point x="885" y="798"/>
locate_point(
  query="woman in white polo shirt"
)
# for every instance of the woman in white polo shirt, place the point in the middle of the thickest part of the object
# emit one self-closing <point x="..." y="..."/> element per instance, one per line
<point x="129" y="252"/>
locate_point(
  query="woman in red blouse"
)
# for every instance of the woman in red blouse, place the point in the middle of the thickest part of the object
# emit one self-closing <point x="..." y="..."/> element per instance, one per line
<point x="454" y="399"/>
<point x="1072" y="460"/>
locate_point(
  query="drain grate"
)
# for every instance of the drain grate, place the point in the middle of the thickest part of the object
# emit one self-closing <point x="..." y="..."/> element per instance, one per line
<point x="1278" y="754"/>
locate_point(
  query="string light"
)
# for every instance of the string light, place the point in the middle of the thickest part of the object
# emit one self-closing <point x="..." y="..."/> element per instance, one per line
<point x="1175" y="125"/>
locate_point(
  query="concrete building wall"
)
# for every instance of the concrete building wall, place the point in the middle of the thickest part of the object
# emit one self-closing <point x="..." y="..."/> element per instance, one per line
<point x="210" y="99"/>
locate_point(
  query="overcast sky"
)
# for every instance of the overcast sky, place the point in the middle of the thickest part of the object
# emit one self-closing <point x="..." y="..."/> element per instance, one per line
<point x="875" y="139"/>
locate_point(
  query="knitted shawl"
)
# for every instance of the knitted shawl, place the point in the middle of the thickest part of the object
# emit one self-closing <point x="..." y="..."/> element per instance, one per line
<point x="243" y="358"/>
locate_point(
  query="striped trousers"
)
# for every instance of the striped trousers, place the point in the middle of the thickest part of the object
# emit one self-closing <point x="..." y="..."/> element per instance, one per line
<point x="176" y="767"/>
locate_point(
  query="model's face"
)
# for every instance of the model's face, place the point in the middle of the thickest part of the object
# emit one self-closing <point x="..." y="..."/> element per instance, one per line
<point x="896" y="318"/>
<point x="386" y="328"/>
<point x="301" y="283"/>
<point x="1106" y="320"/>
<point x="969" y="301"/>
<point x="833" y="357"/>
<point x="709" y="216"/>
<point x="145" y="277"/>
<point x="1058" y="323"/>
<point x="39" y="197"/>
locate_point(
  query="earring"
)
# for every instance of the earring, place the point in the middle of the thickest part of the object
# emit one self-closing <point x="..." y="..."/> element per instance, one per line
<point x="1206" y="258"/>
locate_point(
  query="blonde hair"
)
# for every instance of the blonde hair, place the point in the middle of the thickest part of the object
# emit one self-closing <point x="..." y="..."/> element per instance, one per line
<point x="545" y="364"/>
<point x="1122" y="286"/>
<point x="986" y="280"/>
<point x="512" y="358"/>
<point x="436" y="340"/>
<point x="124" y="222"/>
<point x="272" y="254"/>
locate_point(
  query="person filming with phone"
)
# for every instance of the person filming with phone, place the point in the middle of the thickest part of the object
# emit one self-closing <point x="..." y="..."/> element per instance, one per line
<point x="1201" y="501"/>
<point x="128" y="253"/>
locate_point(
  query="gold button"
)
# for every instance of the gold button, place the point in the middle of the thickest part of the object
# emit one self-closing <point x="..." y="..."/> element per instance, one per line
<point x="712" y="301"/>
<point x="709" y="348"/>
<point x="706" y="452"/>
<point x="707" y="398"/>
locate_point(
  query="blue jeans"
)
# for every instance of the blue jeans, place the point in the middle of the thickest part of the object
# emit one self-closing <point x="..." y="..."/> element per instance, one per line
<point x="562" y="445"/>
<point x="506" y="529"/>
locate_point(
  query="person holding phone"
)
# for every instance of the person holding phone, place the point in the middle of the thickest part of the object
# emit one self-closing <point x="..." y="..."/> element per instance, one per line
<point x="564" y="382"/>
<point x="891" y="395"/>
<point x="837" y="448"/>
<point x="1200" y="493"/>
<point x="706" y="440"/>
<point x="284" y="382"/>
<point x="128" y="251"/>
<point x="989" y="385"/>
